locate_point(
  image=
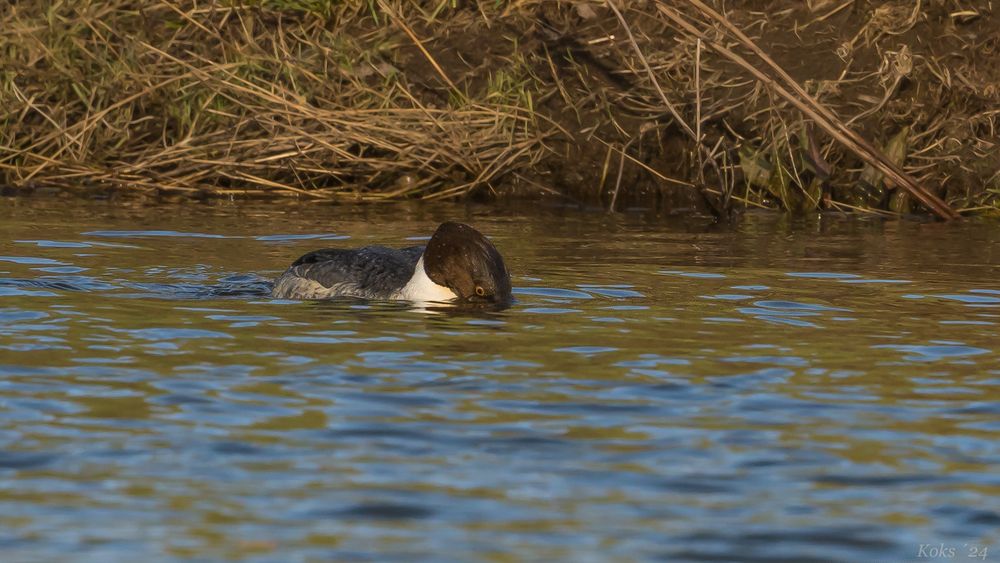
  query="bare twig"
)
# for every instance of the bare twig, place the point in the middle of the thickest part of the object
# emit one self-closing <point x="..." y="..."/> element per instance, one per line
<point x="790" y="90"/>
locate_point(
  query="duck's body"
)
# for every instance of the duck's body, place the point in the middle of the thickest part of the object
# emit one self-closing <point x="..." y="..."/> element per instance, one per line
<point x="371" y="272"/>
<point x="458" y="263"/>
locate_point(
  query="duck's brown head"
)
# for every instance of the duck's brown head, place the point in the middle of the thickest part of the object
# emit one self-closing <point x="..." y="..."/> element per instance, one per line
<point x="466" y="262"/>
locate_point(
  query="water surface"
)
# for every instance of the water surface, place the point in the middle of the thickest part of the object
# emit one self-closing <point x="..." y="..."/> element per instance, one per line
<point x="814" y="390"/>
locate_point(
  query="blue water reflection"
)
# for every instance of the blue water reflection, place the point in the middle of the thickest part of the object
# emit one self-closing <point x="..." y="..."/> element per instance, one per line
<point x="663" y="392"/>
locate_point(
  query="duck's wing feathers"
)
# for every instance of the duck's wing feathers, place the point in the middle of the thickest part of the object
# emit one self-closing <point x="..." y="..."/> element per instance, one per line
<point x="373" y="272"/>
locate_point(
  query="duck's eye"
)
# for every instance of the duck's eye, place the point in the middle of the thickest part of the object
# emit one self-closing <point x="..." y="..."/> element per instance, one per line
<point x="480" y="291"/>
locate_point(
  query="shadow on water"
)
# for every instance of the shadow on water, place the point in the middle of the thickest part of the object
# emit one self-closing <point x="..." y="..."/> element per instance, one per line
<point x="808" y="390"/>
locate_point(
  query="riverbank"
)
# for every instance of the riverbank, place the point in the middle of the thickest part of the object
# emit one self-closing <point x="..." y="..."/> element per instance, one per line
<point x="646" y="105"/>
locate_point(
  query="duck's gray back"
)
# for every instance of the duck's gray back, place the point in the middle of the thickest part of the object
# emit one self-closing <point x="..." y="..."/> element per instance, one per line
<point x="371" y="272"/>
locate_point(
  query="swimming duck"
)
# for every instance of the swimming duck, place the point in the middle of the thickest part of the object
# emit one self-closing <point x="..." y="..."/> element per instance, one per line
<point x="458" y="264"/>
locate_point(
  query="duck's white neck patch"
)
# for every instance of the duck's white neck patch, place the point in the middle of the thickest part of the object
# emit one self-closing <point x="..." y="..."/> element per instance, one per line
<point x="422" y="288"/>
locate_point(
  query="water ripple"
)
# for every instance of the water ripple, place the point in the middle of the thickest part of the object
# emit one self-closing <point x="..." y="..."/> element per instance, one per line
<point x="298" y="237"/>
<point x="933" y="353"/>
<point x="32" y="260"/>
<point x="152" y="234"/>
<point x="823" y="275"/>
<point x="552" y="292"/>
<point x="971" y="299"/>
<point x="158" y="404"/>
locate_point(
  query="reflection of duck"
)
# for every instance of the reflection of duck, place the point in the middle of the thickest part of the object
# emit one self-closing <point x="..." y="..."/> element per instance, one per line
<point x="458" y="263"/>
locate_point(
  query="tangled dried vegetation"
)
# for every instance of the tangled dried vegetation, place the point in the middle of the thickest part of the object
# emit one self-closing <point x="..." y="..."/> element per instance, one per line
<point x="884" y="106"/>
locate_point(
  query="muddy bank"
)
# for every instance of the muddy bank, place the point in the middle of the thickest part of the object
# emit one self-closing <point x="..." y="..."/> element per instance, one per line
<point x="640" y="103"/>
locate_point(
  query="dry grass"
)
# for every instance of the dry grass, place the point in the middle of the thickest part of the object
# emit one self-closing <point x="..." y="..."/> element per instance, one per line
<point x="878" y="122"/>
<point x="264" y="98"/>
<point x="823" y="104"/>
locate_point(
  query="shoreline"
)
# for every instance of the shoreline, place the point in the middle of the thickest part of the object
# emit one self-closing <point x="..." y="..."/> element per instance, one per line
<point x="569" y="99"/>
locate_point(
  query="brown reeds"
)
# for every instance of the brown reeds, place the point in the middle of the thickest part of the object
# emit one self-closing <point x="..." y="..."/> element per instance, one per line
<point x="803" y="106"/>
<point x="238" y="99"/>
<point x="874" y="123"/>
<point x="715" y="29"/>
